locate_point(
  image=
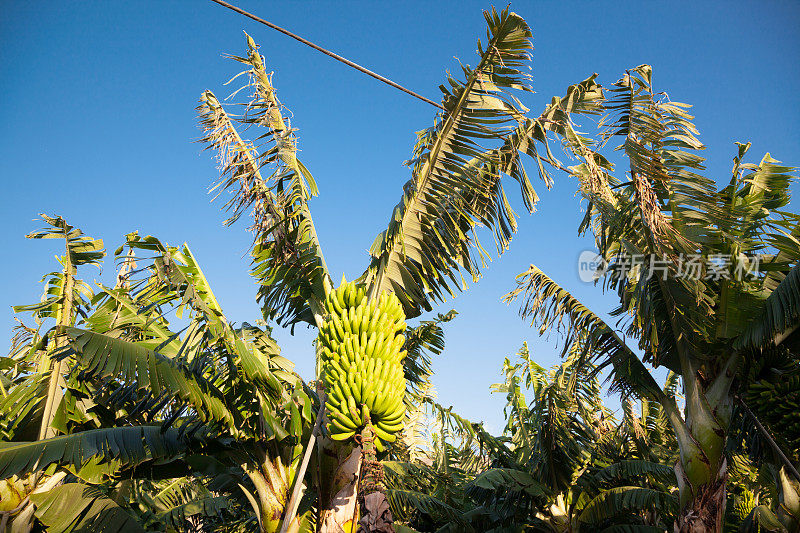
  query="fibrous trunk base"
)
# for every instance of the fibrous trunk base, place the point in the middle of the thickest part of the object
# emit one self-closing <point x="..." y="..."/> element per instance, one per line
<point x="706" y="512"/>
<point x="377" y="517"/>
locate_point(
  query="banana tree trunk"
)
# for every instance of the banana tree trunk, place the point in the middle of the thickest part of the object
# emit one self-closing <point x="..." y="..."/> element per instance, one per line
<point x="702" y="471"/>
<point x="357" y="489"/>
<point x="339" y="491"/>
<point x="272" y="480"/>
<point x="377" y="516"/>
<point x="21" y="518"/>
<point x="338" y="471"/>
<point x="704" y="511"/>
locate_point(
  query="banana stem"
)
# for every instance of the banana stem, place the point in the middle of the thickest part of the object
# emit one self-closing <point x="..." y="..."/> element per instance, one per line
<point x="376" y="515"/>
<point x="294" y="500"/>
<point x="369" y="481"/>
<point x="63" y="318"/>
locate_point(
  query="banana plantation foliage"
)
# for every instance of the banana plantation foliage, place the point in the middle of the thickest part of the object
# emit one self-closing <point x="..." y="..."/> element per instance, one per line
<point x="141" y="407"/>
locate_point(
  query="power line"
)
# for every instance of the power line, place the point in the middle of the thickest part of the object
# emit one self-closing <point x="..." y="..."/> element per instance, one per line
<point x="327" y="52"/>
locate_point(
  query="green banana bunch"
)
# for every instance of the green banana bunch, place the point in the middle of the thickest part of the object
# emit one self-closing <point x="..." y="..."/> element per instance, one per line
<point x="744" y="504"/>
<point x="362" y="363"/>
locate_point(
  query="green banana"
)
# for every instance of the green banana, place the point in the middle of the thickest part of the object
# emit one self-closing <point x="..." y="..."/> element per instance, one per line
<point x="343" y="436"/>
<point x="384" y="435"/>
<point x="390" y="427"/>
<point x="343" y="424"/>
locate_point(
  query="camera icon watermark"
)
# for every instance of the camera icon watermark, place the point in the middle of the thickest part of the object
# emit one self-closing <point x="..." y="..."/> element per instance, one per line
<point x="591" y="266"/>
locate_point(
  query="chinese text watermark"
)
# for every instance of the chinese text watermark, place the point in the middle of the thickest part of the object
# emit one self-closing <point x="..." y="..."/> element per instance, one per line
<point x="715" y="267"/>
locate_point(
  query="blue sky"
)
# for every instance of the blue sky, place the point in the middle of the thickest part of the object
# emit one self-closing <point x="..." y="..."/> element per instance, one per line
<point x="99" y="126"/>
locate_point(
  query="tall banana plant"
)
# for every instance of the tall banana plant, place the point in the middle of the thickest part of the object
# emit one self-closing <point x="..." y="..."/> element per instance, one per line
<point x="431" y="243"/>
<point x="706" y="277"/>
<point x="65" y="298"/>
<point x="206" y="403"/>
<point x="33" y="397"/>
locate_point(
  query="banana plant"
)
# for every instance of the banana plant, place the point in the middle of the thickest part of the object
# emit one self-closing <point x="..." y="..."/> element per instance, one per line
<point x="33" y="374"/>
<point x="457" y="171"/>
<point x="563" y="463"/>
<point x="251" y="396"/>
<point x="591" y="475"/>
<point x="736" y="306"/>
<point x="133" y="394"/>
<point x="65" y="298"/>
<point x="427" y="488"/>
<point x="208" y="403"/>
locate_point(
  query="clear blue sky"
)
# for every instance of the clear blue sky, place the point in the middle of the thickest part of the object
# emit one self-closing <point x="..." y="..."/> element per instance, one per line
<point x="98" y="126"/>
